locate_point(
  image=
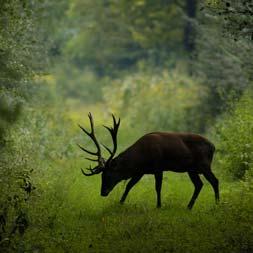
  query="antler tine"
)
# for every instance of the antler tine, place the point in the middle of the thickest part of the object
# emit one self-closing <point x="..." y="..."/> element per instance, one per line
<point x="93" y="171"/>
<point x="115" y="123"/>
<point x="90" y="159"/>
<point x="87" y="151"/>
<point x="107" y="149"/>
<point x="84" y="130"/>
<point x="114" y="120"/>
<point x="113" y="131"/>
<point x="86" y="174"/>
<point x="91" y="123"/>
<point x="91" y="134"/>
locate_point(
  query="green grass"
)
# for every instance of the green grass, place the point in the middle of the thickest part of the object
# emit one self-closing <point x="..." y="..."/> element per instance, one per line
<point x="71" y="216"/>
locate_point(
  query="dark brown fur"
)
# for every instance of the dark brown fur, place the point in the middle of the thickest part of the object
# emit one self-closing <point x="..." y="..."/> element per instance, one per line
<point x="159" y="151"/>
<point x="162" y="151"/>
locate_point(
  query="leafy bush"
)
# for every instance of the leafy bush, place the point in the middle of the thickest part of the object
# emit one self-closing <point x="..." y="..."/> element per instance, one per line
<point x="234" y="138"/>
<point x="36" y="138"/>
<point x="161" y="101"/>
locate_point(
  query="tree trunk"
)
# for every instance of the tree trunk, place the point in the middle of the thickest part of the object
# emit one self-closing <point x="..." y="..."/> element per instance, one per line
<point x="189" y="32"/>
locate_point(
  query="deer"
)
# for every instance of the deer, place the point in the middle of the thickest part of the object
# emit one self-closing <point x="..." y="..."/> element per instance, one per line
<point x="153" y="154"/>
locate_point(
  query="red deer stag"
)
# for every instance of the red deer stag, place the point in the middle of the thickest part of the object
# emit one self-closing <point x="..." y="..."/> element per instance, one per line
<point x="153" y="153"/>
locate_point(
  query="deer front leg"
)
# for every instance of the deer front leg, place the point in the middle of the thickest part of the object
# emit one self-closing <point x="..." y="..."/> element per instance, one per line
<point x="129" y="186"/>
<point x="158" y="187"/>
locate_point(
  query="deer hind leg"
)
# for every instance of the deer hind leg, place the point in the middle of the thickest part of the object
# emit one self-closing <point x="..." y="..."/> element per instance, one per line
<point x="214" y="182"/>
<point x="197" y="184"/>
<point x="158" y="187"/>
<point x="129" y="186"/>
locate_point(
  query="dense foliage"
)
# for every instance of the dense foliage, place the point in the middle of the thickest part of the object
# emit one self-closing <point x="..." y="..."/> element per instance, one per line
<point x="234" y="134"/>
<point x="170" y="99"/>
<point x="114" y="35"/>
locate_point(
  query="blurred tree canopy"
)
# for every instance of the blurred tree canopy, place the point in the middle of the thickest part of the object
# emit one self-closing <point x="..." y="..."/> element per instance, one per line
<point x="95" y="42"/>
<point x="237" y="17"/>
<point x="17" y="41"/>
<point x="113" y="35"/>
<point x="26" y="36"/>
<point x="224" y="52"/>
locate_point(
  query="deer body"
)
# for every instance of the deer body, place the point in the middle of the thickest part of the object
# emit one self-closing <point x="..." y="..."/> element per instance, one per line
<point x="162" y="151"/>
<point x="154" y="153"/>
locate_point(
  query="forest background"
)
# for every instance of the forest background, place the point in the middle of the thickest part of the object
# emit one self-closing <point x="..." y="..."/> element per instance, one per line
<point x="164" y="65"/>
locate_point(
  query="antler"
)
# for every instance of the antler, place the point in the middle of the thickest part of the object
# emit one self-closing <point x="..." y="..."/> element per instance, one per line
<point x="99" y="158"/>
<point x="94" y="171"/>
<point x="113" y="131"/>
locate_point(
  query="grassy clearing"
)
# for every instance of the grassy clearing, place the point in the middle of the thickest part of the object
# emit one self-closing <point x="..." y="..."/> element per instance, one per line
<point x="76" y="219"/>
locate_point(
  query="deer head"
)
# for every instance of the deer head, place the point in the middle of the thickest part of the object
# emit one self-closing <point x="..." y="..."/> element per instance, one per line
<point x="106" y="167"/>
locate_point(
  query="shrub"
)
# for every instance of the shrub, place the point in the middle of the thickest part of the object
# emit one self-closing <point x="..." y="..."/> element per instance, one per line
<point x="161" y="101"/>
<point x="36" y="139"/>
<point x="234" y="138"/>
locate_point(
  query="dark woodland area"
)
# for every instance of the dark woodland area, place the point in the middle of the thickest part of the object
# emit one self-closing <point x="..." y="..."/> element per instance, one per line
<point x="159" y="66"/>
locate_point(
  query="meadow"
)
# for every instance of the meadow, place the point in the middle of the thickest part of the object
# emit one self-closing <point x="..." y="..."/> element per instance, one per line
<point x="67" y="214"/>
<point x="77" y="219"/>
